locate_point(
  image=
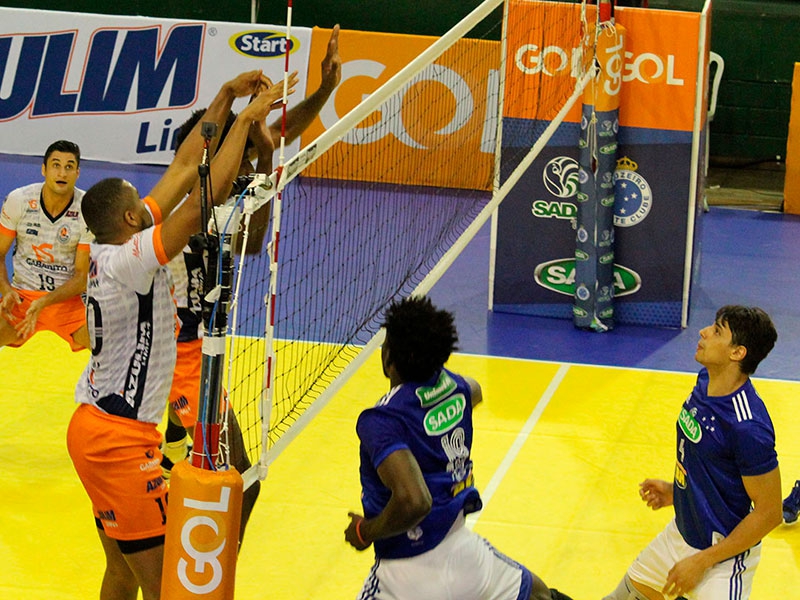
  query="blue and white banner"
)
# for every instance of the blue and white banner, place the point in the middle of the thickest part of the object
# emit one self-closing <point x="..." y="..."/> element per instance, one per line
<point x="121" y="86"/>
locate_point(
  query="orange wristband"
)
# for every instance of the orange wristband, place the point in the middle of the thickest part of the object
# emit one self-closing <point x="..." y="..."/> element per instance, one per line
<point x="358" y="532"/>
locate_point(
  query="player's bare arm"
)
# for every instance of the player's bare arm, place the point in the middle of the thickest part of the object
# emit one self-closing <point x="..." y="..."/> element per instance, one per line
<point x="10" y="298"/>
<point x="177" y="229"/>
<point x="300" y="117"/>
<point x="74" y="286"/>
<point x="765" y="492"/>
<point x="410" y="502"/>
<point x="182" y="172"/>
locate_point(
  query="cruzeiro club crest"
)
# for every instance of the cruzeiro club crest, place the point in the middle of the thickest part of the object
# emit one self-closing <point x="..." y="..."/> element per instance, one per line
<point x="633" y="197"/>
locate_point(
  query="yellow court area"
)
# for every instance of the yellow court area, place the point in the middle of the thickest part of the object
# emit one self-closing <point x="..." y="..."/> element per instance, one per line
<point x="559" y="451"/>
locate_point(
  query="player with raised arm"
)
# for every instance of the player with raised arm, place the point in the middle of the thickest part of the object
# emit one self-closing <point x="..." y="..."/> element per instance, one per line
<point x="113" y="438"/>
<point x="188" y="270"/>
<point x="51" y="258"/>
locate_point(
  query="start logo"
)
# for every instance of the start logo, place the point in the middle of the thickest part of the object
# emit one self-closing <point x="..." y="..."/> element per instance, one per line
<point x="263" y="44"/>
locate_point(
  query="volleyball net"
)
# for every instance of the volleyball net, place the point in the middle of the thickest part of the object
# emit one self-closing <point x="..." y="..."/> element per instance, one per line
<point x="378" y="206"/>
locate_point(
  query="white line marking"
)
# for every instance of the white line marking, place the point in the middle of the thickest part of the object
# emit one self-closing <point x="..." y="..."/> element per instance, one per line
<point x="522" y="437"/>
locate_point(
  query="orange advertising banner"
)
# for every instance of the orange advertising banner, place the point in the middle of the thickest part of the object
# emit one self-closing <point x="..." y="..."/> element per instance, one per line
<point x="403" y="140"/>
<point x="659" y="70"/>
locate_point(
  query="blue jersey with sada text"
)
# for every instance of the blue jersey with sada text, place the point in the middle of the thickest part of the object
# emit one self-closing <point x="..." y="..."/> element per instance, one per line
<point x="720" y="440"/>
<point x="433" y="420"/>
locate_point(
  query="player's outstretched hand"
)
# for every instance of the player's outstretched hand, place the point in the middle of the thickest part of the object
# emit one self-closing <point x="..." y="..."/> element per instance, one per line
<point x="7" y="304"/>
<point x="248" y="83"/>
<point x="27" y="326"/>
<point x="656" y="493"/>
<point x="332" y="63"/>
<point x="272" y="96"/>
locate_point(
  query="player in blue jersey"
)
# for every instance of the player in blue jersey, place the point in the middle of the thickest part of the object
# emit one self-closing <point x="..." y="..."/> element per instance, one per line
<point x="727" y="486"/>
<point x="416" y="475"/>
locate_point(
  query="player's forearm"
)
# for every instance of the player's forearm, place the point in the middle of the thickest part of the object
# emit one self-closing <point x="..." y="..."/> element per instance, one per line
<point x="5" y="283"/>
<point x="190" y="152"/>
<point x="752" y="529"/>
<point x="399" y="515"/>
<point x="226" y="162"/>
<point x="74" y="286"/>
<point x="301" y="116"/>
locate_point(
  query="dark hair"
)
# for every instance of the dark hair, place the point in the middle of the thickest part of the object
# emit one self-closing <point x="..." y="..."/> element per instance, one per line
<point x="186" y="128"/>
<point x="103" y="205"/>
<point x="420" y="337"/>
<point x="63" y="146"/>
<point x="752" y="328"/>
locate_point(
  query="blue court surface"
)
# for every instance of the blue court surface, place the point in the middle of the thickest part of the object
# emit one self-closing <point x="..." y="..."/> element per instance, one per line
<point x="747" y="257"/>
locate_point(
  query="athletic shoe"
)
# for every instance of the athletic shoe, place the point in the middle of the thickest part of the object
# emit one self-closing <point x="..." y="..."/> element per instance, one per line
<point x="174" y="452"/>
<point x="791" y="505"/>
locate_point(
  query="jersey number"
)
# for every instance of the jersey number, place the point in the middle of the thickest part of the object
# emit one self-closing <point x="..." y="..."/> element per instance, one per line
<point x="47" y="283"/>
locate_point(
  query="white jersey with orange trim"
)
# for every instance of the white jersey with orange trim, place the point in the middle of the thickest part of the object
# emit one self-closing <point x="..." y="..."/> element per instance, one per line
<point x="44" y="258"/>
<point x="132" y="323"/>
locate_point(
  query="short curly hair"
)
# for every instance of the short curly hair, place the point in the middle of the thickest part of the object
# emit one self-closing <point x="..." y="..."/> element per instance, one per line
<point x="419" y="337"/>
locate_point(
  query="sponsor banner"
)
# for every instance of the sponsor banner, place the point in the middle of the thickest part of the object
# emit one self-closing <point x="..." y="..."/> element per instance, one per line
<point x="659" y="69"/>
<point x="537" y="223"/>
<point x="120" y="86"/>
<point x="405" y="138"/>
<point x="536" y="233"/>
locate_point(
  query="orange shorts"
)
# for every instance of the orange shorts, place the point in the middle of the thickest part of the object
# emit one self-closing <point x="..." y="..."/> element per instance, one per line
<point x="119" y="464"/>
<point x="184" y="397"/>
<point x="62" y="318"/>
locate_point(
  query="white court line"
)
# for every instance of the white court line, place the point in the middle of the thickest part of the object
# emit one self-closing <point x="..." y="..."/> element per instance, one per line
<point x="522" y="437"/>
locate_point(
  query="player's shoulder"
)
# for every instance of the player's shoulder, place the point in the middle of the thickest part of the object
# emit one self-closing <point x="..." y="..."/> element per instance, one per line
<point x="26" y="192"/>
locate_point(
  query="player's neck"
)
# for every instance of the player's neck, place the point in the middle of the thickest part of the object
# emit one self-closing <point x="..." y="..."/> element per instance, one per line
<point x="723" y="381"/>
<point x="55" y="203"/>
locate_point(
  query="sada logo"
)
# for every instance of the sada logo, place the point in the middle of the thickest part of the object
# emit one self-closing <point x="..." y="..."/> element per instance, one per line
<point x="263" y="44"/>
<point x="633" y="197"/>
<point x="559" y="276"/>
<point x="690" y="427"/>
<point x="560" y="176"/>
<point x="445" y="416"/>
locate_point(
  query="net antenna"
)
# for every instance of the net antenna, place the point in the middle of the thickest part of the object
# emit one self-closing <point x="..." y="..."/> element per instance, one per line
<point x="378" y="206"/>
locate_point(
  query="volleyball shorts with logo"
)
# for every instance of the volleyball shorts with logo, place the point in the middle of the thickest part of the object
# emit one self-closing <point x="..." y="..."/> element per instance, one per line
<point x="118" y="461"/>
<point x="62" y="318"/>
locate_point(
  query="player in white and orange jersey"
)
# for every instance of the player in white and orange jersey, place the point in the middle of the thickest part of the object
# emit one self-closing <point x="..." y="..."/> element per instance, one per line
<point x="51" y="258"/>
<point x="112" y="437"/>
<point x="188" y="271"/>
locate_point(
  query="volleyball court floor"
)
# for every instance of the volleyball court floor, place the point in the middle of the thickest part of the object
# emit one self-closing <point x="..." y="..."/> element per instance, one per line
<point x="571" y="423"/>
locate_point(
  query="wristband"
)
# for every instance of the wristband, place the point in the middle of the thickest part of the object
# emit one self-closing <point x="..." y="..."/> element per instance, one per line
<point x="358" y="532"/>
